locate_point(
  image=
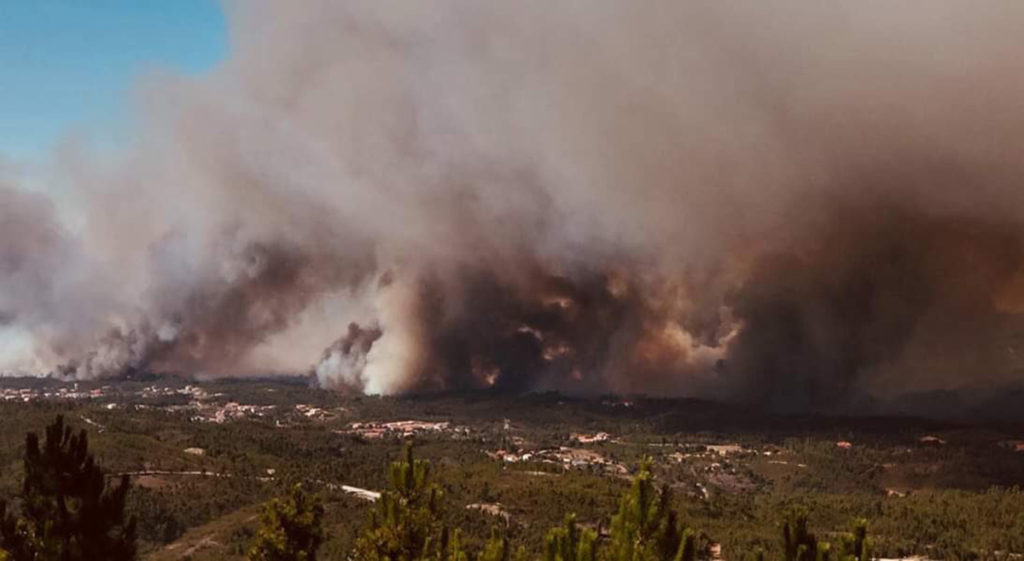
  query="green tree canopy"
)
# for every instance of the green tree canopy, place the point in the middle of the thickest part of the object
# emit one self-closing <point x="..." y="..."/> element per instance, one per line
<point x="291" y="529"/>
<point x="646" y="527"/>
<point x="67" y="512"/>
<point x="570" y="543"/>
<point x="406" y="524"/>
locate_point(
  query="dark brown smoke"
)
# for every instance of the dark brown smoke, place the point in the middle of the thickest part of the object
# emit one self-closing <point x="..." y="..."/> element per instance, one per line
<point x="884" y="300"/>
<point x="801" y="206"/>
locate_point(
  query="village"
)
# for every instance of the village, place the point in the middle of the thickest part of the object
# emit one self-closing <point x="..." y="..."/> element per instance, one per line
<point x="501" y="458"/>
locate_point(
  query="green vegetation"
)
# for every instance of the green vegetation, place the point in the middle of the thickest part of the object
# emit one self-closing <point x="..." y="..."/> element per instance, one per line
<point x="646" y="527"/>
<point x="291" y="529"/>
<point x="67" y="513"/>
<point x="510" y="472"/>
<point x="405" y="526"/>
<point x="569" y="543"/>
<point x="799" y="544"/>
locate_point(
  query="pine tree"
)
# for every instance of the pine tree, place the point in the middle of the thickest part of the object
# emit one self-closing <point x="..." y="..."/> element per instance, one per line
<point x="799" y="544"/>
<point x="68" y="514"/>
<point x="646" y="527"/>
<point x="450" y="548"/>
<point x="18" y="539"/>
<point x="855" y="546"/>
<point x="499" y="548"/>
<point x="291" y="529"/>
<point x="570" y="543"/>
<point x="406" y="524"/>
<point x="797" y="541"/>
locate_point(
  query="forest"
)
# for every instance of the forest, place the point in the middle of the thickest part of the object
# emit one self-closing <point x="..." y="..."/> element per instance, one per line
<point x="500" y="478"/>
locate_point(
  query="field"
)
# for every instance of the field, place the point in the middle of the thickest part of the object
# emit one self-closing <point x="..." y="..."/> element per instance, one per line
<point x="203" y="456"/>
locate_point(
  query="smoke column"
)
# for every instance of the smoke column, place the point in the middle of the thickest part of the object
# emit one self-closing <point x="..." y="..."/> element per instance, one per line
<point x="795" y="205"/>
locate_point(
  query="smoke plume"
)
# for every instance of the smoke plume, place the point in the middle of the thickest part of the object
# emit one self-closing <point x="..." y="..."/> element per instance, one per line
<point x="797" y="205"/>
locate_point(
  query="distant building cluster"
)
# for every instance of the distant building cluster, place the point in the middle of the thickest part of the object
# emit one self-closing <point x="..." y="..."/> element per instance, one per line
<point x="61" y="393"/>
<point x="563" y="456"/>
<point x="583" y="438"/>
<point x="234" y="411"/>
<point x="373" y="429"/>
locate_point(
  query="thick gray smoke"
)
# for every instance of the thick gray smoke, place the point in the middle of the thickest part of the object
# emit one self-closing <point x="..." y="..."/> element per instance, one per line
<point x="793" y="204"/>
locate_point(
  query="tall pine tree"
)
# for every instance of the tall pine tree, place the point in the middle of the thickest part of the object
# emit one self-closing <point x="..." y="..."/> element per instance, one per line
<point x="499" y="548"/>
<point x="854" y="546"/>
<point x="67" y="511"/>
<point x="570" y="543"/>
<point x="406" y="524"/>
<point x="646" y="527"/>
<point x="291" y="529"/>
<point x="798" y="543"/>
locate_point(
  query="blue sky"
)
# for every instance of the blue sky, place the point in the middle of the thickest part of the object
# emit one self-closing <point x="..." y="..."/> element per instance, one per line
<point x="71" y="64"/>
